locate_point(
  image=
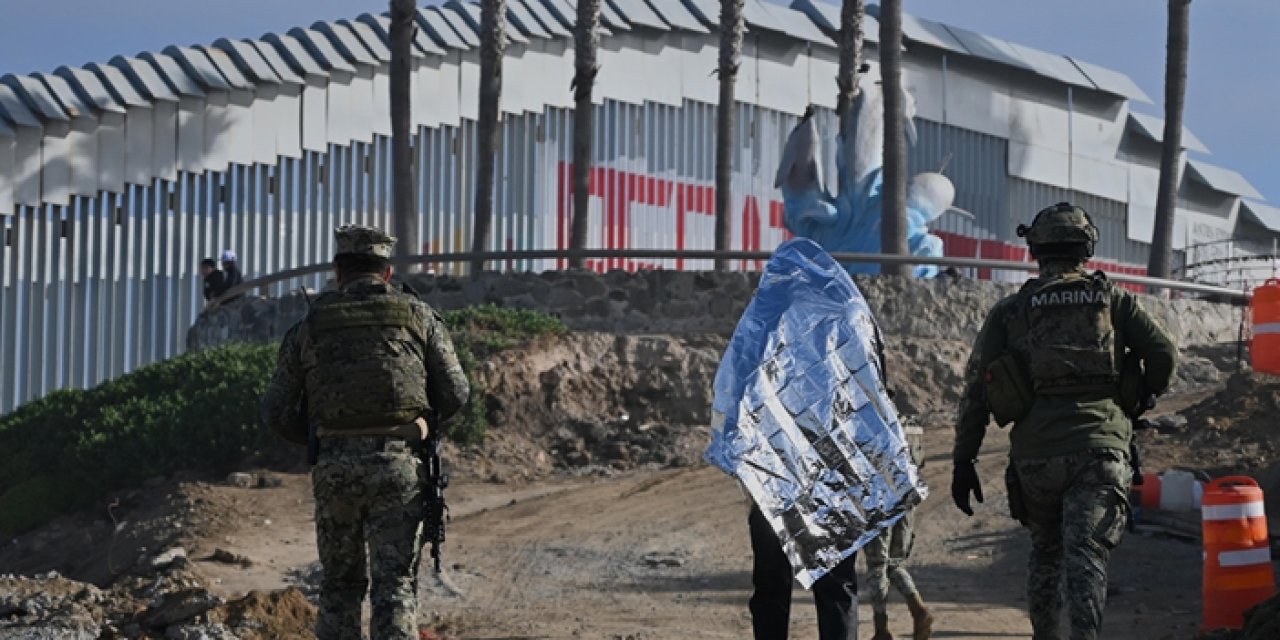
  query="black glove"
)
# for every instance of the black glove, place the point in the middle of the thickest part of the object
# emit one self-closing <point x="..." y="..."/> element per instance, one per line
<point x="964" y="480"/>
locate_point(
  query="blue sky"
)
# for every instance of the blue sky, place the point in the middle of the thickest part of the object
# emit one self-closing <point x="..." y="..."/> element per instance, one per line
<point x="1233" y="85"/>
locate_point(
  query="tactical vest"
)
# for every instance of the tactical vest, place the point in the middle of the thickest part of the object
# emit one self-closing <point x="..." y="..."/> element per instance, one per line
<point x="364" y="360"/>
<point x="1070" y="341"/>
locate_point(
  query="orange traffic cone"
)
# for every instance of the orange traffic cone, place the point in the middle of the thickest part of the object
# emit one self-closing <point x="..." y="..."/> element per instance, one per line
<point x="1237" y="551"/>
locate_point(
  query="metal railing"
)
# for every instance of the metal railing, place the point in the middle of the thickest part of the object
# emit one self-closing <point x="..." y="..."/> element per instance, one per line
<point x="1223" y="293"/>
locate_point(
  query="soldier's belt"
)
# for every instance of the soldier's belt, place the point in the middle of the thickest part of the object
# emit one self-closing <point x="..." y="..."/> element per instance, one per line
<point x="411" y="431"/>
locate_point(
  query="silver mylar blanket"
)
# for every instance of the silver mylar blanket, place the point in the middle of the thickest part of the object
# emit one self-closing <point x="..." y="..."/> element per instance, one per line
<point x="801" y="416"/>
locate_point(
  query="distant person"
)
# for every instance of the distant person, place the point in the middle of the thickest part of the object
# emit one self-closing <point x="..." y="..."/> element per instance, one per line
<point x="213" y="279"/>
<point x="230" y="274"/>
<point x="887" y="553"/>
<point x="1049" y="360"/>
<point x="368" y="361"/>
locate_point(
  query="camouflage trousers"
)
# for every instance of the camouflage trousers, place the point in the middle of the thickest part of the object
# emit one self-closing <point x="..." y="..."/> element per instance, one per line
<point x="367" y="495"/>
<point x="885" y="556"/>
<point x="1077" y="506"/>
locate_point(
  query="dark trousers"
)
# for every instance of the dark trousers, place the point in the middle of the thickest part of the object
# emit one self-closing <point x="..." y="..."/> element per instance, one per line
<point x="835" y="595"/>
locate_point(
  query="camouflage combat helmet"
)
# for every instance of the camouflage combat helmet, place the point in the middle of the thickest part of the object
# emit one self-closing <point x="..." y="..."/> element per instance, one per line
<point x="1063" y="230"/>
<point x="362" y="240"/>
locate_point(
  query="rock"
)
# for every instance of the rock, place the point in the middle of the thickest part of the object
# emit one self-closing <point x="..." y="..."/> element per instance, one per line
<point x="227" y="557"/>
<point x="1169" y="423"/>
<point x="592" y="432"/>
<point x="168" y="557"/>
<point x="616" y="451"/>
<point x="180" y="606"/>
<point x="664" y="559"/>
<point x="242" y="480"/>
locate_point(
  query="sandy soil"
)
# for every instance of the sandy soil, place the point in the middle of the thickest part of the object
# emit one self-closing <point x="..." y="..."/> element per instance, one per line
<point x="665" y="554"/>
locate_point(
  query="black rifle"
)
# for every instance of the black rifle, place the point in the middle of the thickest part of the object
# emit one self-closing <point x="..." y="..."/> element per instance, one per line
<point x="435" y="480"/>
<point x="1139" y="424"/>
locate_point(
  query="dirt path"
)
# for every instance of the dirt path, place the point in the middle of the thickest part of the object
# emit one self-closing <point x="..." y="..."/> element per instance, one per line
<point x="665" y="554"/>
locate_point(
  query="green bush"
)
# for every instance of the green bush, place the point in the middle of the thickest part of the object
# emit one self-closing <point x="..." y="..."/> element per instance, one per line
<point x="196" y="412"/>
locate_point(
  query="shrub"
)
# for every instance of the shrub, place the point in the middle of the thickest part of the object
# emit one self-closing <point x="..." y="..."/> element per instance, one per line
<point x="197" y="412"/>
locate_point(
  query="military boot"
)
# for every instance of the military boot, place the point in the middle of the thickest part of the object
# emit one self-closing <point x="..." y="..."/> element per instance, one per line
<point x="882" y="627"/>
<point x="921" y="619"/>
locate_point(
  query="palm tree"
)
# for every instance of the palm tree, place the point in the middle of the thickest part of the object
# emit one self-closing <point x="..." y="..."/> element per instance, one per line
<point x="405" y="215"/>
<point x="893" y="223"/>
<point x="731" y="29"/>
<point x="1175" y="92"/>
<point x="586" y="43"/>
<point x="493" y="43"/>
<point x="851" y="12"/>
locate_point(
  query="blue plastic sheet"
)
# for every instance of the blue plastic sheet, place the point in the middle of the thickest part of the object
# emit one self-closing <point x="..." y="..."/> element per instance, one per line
<point x="801" y="416"/>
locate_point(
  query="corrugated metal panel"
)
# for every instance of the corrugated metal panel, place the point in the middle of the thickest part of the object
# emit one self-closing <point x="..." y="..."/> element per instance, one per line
<point x="708" y="11"/>
<point x="71" y="103"/>
<point x="1221" y="179"/>
<point x="471" y="14"/>
<point x="227" y="67"/>
<point x="1051" y="65"/>
<point x="289" y="69"/>
<point x="374" y="31"/>
<point x="318" y="47"/>
<point x="199" y="67"/>
<point x="1263" y="214"/>
<point x="90" y="89"/>
<point x="115" y="82"/>
<point x="249" y="61"/>
<point x="346" y="43"/>
<point x="1152" y="128"/>
<point x="934" y="34"/>
<point x="988" y="47"/>
<point x="519" y="15"/>
<point x="175" y="78"/>
<point x="145" y="78"/>
<point x="372" y="40"/>
<point x="434" y="24"/>
<point x="676" y="15"/>
<point x="544" y="17"/>
<point x="458" y="23"/>
<point x="294" y="53"/>
<point x="757" y="15"/>
<point x="12" y="107"/>
<point x="799" y="25"/>
<point x="638" y="13"/>
<point x="36" y="97"/>
<point x="1112" y="82"/>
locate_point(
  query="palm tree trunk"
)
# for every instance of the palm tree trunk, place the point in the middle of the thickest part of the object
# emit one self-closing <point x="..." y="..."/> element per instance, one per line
<point x="493" y="43"/>
<point x="586" y="45"/>
<point x="893" y="219"/>
<point x="1175" y="91"/>
<point x="731" y="29"/>
<point x="405" y="214"/>
<point x="851" y="12"/>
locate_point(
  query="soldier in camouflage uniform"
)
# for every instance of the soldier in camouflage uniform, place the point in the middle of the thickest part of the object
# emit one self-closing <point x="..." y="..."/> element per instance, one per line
<point x="887" y="553"/>
<point x="1049" y="360"/>
<point x="360" y="372"/>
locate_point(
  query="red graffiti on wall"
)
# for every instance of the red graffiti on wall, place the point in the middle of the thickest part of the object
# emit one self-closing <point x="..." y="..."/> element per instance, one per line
<point x="689" y="203"/>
